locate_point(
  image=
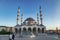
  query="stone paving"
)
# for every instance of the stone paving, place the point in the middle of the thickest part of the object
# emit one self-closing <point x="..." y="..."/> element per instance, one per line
<point x="40" y="37"/>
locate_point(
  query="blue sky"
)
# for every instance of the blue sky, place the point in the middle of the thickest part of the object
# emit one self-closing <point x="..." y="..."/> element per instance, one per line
<point x="29" y="8"/>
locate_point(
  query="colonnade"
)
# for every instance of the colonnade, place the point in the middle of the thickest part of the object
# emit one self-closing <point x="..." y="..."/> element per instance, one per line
<point x="29" y="29"/>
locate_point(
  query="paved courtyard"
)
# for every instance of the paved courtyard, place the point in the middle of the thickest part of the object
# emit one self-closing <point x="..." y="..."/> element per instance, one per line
<point x="40" y="37"/>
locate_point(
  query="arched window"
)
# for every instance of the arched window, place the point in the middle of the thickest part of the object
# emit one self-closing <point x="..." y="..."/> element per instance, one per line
<point x="29" y="29"/>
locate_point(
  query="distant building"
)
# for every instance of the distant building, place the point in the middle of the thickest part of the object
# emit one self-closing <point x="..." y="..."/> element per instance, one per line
<point x="6" y="28"/>
<point x="2" y="27"/>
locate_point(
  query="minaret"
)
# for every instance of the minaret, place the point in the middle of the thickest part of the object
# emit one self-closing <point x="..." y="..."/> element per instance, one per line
<point x="41" y="15"/>
<point x="21" y="18"/>
<point x="37" y="19"/>
<point x="18" y="16"/>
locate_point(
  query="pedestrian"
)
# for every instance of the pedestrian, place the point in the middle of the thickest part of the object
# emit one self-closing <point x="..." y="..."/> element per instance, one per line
<point x="10" y="37"/>
<point x="13" y="36"/>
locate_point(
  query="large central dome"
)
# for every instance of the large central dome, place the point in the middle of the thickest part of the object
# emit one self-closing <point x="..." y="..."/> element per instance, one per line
<point x="29" y="22"/>
<point x="29" y="19"/>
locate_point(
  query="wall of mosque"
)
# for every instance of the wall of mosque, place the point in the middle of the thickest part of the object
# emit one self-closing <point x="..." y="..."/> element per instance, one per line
<point x="39" y="29"/>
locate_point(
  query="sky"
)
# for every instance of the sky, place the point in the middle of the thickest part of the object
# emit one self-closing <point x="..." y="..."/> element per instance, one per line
<point x="30" y="8"/>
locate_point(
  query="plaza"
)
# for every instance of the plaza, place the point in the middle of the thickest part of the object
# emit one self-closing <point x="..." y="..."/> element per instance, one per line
<point x="40" y="37"/>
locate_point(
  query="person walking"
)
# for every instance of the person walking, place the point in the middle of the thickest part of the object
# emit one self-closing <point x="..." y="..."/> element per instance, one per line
<point x="10" y="37"/>
<point x="13" y="36"/>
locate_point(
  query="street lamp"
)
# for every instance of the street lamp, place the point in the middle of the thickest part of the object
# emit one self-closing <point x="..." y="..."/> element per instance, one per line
<point x="57" y="32"/>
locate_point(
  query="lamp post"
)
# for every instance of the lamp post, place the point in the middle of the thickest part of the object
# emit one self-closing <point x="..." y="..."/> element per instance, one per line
<point x="57" y="32"/>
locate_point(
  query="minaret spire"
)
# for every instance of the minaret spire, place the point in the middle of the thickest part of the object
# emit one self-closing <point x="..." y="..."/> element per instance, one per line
<point x="41" y="15"/>
<point x="18" y="16"/>
<point x="37" y="19"/>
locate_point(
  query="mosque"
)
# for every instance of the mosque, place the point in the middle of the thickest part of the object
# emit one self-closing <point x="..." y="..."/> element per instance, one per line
<point x="29" y="24"/>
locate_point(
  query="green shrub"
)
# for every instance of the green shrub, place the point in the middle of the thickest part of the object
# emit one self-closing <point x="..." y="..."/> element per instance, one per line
<point x="4" y="32"/>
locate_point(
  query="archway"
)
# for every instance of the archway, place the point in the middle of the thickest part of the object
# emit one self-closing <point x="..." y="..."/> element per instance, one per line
<point x="39" y="30"/>
<point x="42" y="30"/>
<point x="16" y="30"/>
<point x="34" y="30"/>
<point x="20" y="30"/>
<point x="29" y="29"/>
<point x="24" y="29"/>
